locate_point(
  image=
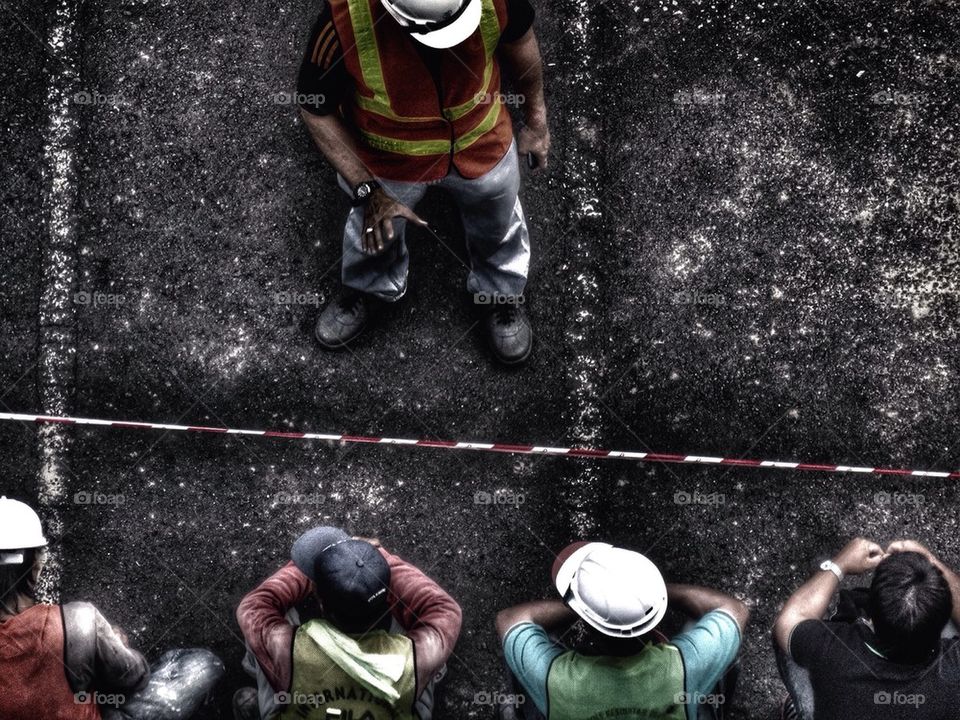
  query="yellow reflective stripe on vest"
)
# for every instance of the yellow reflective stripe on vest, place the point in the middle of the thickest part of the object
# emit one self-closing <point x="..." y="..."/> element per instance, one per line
<point x="406" y="147"/>
<point x="483" y="127"/>
<point x="366" y="39"/>
<point x="370" y="67"/>
<point x="434" y="147"/>
<point x="490" y="32"/>
<point x="361" y="19"/>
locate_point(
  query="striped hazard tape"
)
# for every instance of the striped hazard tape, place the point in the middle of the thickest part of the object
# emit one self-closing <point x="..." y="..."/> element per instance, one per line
<point x="577" y="452"/>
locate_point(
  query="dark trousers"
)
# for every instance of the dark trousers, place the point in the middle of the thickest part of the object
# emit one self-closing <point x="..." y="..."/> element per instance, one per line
<point x="180" y="682"/>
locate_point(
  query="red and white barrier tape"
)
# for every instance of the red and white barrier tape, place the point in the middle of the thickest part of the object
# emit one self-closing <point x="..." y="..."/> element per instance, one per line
<point x="487" y="447"/>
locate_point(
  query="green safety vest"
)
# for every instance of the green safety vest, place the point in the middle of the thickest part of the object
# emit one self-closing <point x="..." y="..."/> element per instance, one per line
<point x="319" y="683"/>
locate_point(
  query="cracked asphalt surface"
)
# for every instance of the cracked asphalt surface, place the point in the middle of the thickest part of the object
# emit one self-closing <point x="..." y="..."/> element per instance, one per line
<point x="747" y="244"/>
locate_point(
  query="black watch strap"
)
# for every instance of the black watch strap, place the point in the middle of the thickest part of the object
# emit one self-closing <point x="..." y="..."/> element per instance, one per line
<point x="363" y="191"/>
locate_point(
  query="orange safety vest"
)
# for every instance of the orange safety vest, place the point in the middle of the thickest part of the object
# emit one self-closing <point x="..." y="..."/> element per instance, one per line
<point x="33" y="681"/>
<point x="411" y="127"/>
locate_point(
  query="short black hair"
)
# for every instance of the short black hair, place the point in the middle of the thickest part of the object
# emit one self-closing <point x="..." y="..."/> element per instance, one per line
<point x="910" y="603"/>
<point x="18" y="580"/>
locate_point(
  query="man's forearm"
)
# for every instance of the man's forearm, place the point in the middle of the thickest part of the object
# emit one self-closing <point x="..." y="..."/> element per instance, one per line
<point x="812" y="599"/>
<point x="545" y="613"/>
<point x="339" y="147"/>
<point x="697" y="601"/>
<point x="809" y="602"/>
<point x="525" y="66"/>
<point x="261" y="616"/>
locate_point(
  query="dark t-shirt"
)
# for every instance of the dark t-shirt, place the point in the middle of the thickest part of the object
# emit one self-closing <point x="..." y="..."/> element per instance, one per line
<point x="324" y="82"/>
<point x="851" y="681"/>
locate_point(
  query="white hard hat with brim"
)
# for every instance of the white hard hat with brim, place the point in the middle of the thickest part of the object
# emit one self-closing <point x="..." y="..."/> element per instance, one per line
<point x="20" y="530"/>
<point x="619" y="592"/>
<point x="440" y="32"/>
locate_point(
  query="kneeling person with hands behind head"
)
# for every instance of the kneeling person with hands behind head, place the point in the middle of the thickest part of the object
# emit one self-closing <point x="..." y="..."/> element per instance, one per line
<point x="890" y="658"/>
<point x="383" y="632"/>
<point x="622" y="597"/>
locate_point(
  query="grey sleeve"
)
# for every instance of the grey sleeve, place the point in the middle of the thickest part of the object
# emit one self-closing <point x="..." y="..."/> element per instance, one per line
<point x="95" y="656"/>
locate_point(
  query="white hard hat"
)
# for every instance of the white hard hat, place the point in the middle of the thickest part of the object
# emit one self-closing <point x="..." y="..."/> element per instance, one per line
<point x="20" y="529"/>
<point x="436" y="23"/>
<point x="619" y="592"/>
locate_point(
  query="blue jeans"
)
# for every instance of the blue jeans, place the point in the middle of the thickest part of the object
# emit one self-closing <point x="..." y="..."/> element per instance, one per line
<point x="498" y="243"/>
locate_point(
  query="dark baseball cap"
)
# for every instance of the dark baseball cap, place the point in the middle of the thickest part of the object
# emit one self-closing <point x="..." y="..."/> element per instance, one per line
<point x="351" y="576"/>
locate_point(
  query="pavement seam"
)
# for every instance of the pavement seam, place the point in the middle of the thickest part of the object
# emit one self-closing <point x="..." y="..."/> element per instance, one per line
<point x="583" y="486"/>
<point x="58" y="257"/>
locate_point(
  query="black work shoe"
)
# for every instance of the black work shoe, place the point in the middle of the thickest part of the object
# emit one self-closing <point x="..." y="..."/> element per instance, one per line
<point x="245" y="706"/>
<point x="343" y="319"/>
<point x="509" y="333"/>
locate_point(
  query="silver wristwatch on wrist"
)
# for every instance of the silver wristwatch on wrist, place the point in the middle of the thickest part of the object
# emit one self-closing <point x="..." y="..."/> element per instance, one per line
<point x="832" y="567"/>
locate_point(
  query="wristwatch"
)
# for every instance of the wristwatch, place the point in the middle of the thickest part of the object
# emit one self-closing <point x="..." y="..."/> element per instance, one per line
<point x="832" y="567"/>
<point x="363" y="191"/>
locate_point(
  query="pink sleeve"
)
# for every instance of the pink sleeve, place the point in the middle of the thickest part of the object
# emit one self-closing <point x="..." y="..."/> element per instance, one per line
<point x="429" y="615"/>
<point x="263" y="622"/>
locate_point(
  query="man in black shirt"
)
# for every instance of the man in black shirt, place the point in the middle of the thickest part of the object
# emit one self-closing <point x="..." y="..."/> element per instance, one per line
<point x="890" y="657"/>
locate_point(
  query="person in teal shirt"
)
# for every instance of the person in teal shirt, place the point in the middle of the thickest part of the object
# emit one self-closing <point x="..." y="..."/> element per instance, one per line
<point x="632" y="671"/>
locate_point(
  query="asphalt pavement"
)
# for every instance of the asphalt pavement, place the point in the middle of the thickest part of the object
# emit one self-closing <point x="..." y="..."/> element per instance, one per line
<point x="746" y="244"/>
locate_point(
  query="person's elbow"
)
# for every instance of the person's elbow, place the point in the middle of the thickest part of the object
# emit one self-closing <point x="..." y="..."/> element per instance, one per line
<point x="455" y="613"/>
<point x="502" y="623"/>
<point x="782" y="628"/>
<point x="506" y="619"/>
<point x="243" y="613"/>
<point x="740" y="612"/>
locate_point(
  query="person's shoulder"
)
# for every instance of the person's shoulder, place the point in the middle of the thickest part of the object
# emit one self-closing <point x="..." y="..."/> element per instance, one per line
<point x="81" y="610"/>
<point x="81" y="623"/>
<point x="833" y="627"/>
<point x="823" y="634"/>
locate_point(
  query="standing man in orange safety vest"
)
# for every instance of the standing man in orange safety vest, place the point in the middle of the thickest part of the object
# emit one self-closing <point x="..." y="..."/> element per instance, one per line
<point x="400" y="95"/>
